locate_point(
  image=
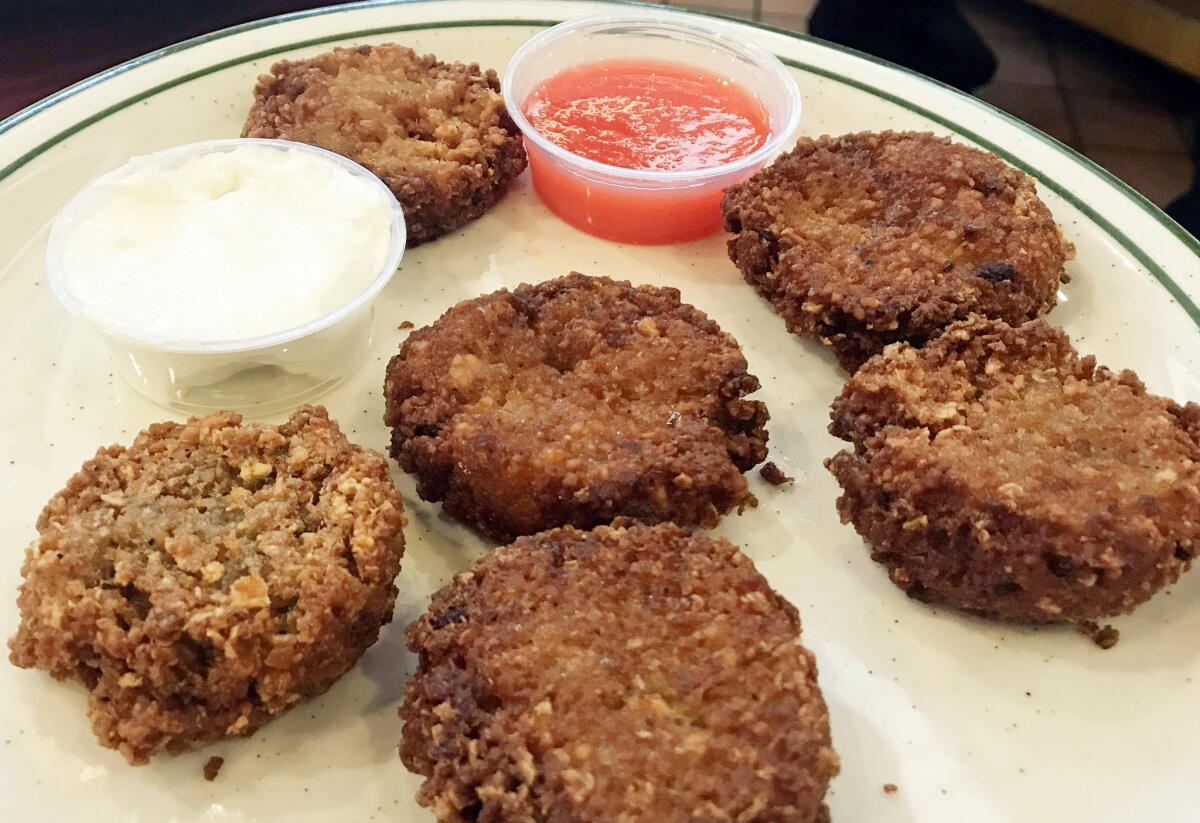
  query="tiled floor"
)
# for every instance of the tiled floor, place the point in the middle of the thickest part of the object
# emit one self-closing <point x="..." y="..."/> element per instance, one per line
<point x="1099" y="98"/>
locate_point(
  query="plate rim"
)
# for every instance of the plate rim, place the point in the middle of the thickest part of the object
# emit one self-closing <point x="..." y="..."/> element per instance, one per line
<point x="861" y="729"/>
<point x="1135" y="250"/>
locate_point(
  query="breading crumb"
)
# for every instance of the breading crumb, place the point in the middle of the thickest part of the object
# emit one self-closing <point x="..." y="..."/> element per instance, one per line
<point x="1103" y="636"/>
<point x="774" y="475"/>
<point x="212" y="768"/>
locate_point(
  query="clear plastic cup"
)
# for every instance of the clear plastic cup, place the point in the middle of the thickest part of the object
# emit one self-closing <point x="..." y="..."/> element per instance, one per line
<point x="256" y="376"/>
<point x="634" y="205"/>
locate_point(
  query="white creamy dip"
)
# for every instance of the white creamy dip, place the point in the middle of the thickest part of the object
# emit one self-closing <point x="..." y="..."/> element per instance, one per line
<point x="223" y="246"/>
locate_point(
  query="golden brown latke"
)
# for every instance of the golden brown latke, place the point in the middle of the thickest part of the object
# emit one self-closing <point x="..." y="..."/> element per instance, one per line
<point x="575" y="401"/>
<point x="210" y="576"/>
<point x="622" y="674"/>
<point x="869" y="238"/>
<point x="998" y="471"/>
<point x="436" y="133"/>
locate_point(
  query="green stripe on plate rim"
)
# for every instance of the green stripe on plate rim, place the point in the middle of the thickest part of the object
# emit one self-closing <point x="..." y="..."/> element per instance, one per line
<point x="1173" y="288"/>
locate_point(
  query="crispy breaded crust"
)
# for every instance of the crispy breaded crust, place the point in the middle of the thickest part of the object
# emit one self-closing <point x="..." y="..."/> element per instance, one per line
<point x="575" y="401"/>
<point x="870" y="238"/>
<point x="636" y="673"/>
<point x="210" y="576"/>
<point x="436" y="133"/>
<point x="998" y="471"/>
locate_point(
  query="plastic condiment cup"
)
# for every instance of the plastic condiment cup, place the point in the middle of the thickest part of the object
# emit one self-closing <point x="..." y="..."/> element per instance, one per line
<point x="635" y="205"/>
<point x="257" y="375"/>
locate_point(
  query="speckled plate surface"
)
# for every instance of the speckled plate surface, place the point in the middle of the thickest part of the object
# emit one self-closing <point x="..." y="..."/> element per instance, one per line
<point x="972" y="721"/>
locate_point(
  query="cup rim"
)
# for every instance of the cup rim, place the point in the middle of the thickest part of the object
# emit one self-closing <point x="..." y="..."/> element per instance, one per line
<point x="666" y="21"/>
<point x="398" y="236"/>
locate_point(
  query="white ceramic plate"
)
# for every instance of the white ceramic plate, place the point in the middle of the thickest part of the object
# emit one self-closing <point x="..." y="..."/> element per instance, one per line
<point x="973" y="721"/>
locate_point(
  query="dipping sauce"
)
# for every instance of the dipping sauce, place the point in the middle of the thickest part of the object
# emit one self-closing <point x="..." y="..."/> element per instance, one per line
<point x="648" y="114"/>
<point x="234" y="274"/>
<point x="669" y="138"/>
<point x="636" y="124"/>
<point x="224" y="246"/>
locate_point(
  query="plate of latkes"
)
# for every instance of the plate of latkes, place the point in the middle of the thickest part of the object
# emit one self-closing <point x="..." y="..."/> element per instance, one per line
<point x="821" y="446"/>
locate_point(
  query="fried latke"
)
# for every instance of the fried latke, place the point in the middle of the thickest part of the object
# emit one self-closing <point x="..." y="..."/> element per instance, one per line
<point x="870" y="238"/>
<point x="210" y="576"/>
<point x="998" y="471"/>
<point x="636" y="673"/>
<point x="436" y="133"/>
<point x="573" y="402"/>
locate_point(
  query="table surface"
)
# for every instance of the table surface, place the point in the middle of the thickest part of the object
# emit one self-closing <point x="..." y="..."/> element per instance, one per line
<point x="46" y="45"/>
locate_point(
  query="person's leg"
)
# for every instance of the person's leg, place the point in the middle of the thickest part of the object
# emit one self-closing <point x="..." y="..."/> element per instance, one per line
<point x="929" y="36"/>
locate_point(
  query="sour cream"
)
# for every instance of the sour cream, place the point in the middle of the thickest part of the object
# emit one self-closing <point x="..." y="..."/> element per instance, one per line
<point x="222" y="246"/>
